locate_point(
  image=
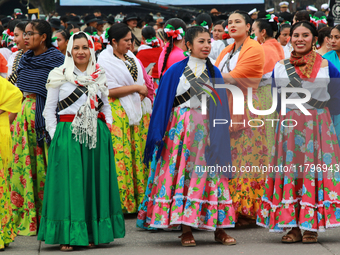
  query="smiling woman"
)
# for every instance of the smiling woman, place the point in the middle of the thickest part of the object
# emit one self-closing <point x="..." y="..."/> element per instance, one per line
<point x="304" y="199"/>
<point x="81" y="191"/>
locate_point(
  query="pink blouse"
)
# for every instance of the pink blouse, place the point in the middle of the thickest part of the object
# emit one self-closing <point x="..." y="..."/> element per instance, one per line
<point x="176" y="55"/>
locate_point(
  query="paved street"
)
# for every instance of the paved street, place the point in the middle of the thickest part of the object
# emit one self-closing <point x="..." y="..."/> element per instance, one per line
<point x="255" y="241"/>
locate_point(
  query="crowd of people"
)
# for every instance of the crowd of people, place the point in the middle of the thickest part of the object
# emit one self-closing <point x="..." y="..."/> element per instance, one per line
<point x="100" y="118"/>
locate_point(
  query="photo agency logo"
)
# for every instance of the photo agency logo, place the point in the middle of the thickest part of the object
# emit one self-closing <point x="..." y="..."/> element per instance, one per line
<point x="238" y="105"/>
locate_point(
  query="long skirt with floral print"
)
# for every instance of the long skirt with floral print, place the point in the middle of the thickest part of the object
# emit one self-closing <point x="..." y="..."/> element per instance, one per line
<point x="266" y="99"/>
<point x="128" y="145"/>
<point x="8" y="227"/>
<point x="28" y="172"/>
<point x="249" y="152"/>
<point x="177" y="192"/>
<point x="306" y="192"/>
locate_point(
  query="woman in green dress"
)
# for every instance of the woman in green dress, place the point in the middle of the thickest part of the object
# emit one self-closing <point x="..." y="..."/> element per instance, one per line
<point x="81" y="203"/>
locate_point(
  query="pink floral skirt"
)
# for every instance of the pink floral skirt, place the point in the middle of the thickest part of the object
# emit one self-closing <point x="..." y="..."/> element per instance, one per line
<point x="306" y="193"/>
<point x="182" y="192"/>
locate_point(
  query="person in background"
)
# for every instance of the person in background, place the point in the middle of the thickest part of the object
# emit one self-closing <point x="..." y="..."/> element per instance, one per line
<point x="218" y="46"/>
<point x="264" y="30"/>
<point x="326" y="10"/>
<point x="324" y="40"/>
<point x="131" y="20"/>
<point x="73" y="28"/>
<point x="97" y="13"/>
<point x="10" y="101"/>
<point x="131" y="109"/>
<point x="284" y="6"/>
<point x="63" y="21"/>
<point x="62" y="39"/>
<point x="91" y="20"/>
<point x="55" y="24"/>
<point x="218" y="30"/>
<point x="173" y="50"/>
<point x="283" y="35"/>
<point x="30" y="138"/>
<point x="81" y="197"/>
<point x="333" y="55"/>
<point x="242" y="64"/>
<point x="253" y="14"/>
<point x="13" y="61"/>
<point x="150" y="51"/>
<point x="100" y="26"/>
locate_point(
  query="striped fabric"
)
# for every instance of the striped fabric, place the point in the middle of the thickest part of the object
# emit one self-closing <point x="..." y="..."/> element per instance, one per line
<point x="32" y="76"/>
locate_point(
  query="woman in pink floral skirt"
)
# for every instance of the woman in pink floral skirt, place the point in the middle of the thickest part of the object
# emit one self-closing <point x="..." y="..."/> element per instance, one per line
<point x="304" y="194"/>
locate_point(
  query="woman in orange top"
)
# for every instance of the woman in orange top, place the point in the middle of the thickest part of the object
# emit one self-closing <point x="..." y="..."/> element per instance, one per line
<point x="241" y="64"/>
<point x="273" y="52"/>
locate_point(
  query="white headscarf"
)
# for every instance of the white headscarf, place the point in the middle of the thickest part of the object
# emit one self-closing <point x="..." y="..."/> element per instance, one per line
<point x="84" y="125"/>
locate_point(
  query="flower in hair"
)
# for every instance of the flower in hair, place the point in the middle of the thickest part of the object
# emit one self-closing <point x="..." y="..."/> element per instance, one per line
<point x="272" y="18"/>
<point x="153" y="42"/>
<point x="54" y="42"/>
<point x="204" y="24"/>
<point x="174" y="33"/>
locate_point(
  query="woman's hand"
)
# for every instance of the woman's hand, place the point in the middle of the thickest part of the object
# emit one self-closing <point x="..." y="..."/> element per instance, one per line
<point x="142" y="97"/>
<point x="1" y="112"/>
<point x="12" y="117"/>
<point x="143" y="90"/>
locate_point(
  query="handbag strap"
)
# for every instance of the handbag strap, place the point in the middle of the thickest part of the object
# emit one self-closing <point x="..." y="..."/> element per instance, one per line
<point x="296" y="82"/>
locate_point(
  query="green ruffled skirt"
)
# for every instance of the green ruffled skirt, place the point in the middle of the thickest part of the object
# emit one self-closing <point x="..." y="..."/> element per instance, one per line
<point x="81" y="202"/>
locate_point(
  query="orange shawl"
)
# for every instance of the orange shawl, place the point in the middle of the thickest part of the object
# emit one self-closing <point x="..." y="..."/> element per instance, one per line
<point x="273" y="53"/>
<point x="247" y="73"/>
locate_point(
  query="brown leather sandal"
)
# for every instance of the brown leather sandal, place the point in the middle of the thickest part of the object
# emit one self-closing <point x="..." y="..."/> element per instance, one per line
<point x="223" y="237"/>
<point x="66" y="247"/>
<point x="310" y="237"/>
<point x="292" y="237"/>
<point x="187" y="239"/>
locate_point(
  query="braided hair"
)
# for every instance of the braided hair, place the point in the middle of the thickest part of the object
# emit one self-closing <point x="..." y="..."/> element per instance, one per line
<point x="190" y="36"/>
<point x="64" y="33"/>
<point x="176" y="23"/>
<point x="43" y="27"/>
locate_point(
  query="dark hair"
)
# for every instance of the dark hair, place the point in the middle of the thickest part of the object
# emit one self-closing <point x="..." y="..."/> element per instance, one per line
<point x="204" y="17"/>
<point x="176" y="23"/>
<point x="282" y="27"/>
<point x="21" y="25"/>
<point x="90" y="30"/>
<point x="148" y="32"/>
<point x="337" y="27"/>
<point x="219" y="22"/>
<point x="64" y="18"/>
<point x="64" y="33"/>
<point x="12" y="24"/>
<point x="320" y="26"/>
<point x="323" y="32"/>
<point x="43" y="27"/>
<point x="118" y="31"/>
<point x="302" y="16"/>
<point x="71" y="26"/>
<point x="246" y="18"/>
<point x="270" y="27"/>
<point x="225" y="24"/>
<point x="190" y="35"/>
<point x="79" y="35"/>
<point x="305" y="24"/>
